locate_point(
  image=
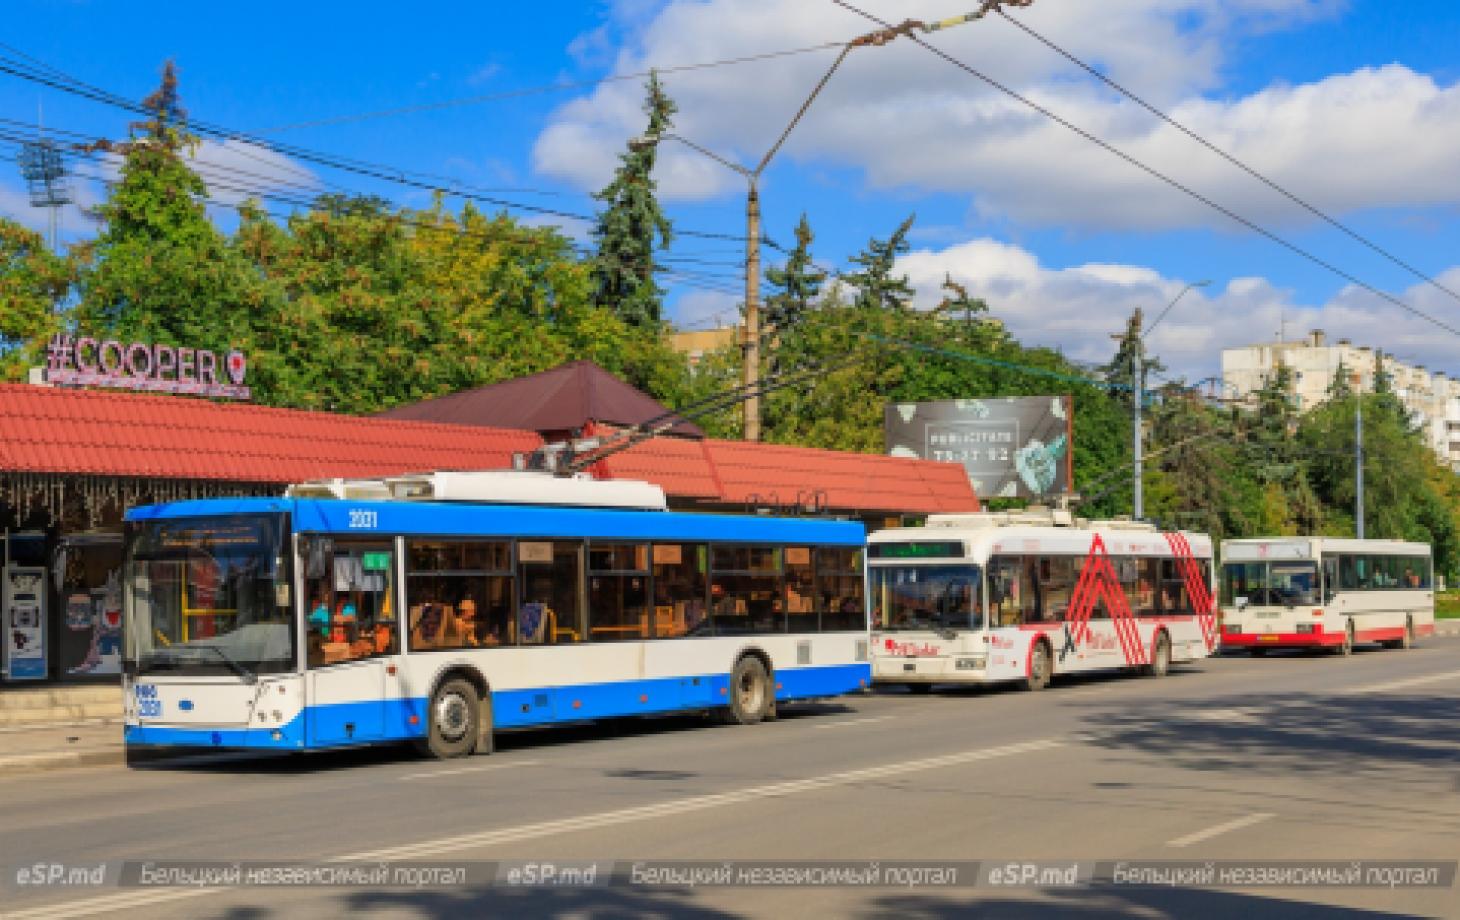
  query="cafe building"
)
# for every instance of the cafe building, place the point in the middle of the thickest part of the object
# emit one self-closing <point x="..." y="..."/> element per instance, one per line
<point x="74" y="458"/>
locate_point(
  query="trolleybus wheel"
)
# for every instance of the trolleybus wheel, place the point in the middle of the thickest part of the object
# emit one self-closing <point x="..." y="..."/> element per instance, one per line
<point x="1404" y="641"/>
<point x="1160" y="664"/>
<point x="1041" y="663"/>
<point x="749" y="692"/>
<point x="453" y="719"/>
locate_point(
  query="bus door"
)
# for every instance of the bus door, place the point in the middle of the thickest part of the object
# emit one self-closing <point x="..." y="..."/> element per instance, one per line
<point x="353" y="639"/>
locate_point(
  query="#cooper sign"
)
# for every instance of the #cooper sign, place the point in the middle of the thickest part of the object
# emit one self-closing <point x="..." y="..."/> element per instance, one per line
<point x="1011" y="448"/>
<point x="80" y="361"/>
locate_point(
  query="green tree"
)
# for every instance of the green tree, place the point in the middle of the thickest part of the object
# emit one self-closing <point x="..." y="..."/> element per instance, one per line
<point x="1121" y="371"/>
<point x="632" y="226"/>
<point x="794" y="289"/>
<point x="876" y="285"/>
<point x="34" y="285"/>
<point x="160" y="271"/>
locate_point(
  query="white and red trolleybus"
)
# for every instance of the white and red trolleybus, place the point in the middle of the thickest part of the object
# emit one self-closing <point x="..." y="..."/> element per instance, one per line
<point x="1026" y="595"/>
<point x="1322" y="592"/>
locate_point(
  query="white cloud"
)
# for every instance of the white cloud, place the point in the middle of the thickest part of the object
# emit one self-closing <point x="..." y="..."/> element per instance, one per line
<point x="701" y="309"/>
<point x="1375" y="137"/>
<point x="236" y="170"/>
<point x="1077" y="309"/>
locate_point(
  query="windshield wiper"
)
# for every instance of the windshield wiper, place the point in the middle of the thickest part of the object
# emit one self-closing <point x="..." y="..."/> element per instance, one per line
<point x="247" y="676"/>
<point x="942" y="631"/>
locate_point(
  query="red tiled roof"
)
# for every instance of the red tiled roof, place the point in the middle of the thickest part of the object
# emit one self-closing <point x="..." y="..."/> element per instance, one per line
<point x="46" y="430"/>
<point x="678" y="466"/>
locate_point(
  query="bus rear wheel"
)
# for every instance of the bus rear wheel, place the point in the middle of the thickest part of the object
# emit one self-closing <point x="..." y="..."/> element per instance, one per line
<point x="452" y="731"/>
<point x="750" y="697"/>
<point x="1041" y="667"/>
<point x="1404" y="641"/>
<point x="1160" y="664"/>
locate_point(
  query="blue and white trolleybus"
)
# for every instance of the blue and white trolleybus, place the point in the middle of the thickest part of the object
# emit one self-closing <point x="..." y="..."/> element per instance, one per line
<point x="439" y="608"/>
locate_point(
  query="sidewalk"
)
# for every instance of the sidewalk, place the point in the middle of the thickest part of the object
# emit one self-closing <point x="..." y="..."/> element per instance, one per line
<point x="62" y="744"/>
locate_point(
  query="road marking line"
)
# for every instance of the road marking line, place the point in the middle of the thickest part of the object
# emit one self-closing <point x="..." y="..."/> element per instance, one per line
<point x="1211" y="832"/>
<point x="1226" y="715"/>
<point x="1408" y="682"/>
<point x="93" y="906"/>
<point x="852" y="722"/>
<point x="695" y="803"/>
<point x="481" y="769"/>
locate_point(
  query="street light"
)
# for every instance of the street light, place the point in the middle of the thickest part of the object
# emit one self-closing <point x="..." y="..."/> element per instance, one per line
<point x="1138" y="390"/>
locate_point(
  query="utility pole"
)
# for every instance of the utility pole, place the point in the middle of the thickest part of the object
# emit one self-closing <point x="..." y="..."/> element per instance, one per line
<point x="751" y="362"/>
<point x="1359" y="462"/>
<point x="1138" y="391"/>
<point x="1138" y="506"/>
<point x="750" y="347"/>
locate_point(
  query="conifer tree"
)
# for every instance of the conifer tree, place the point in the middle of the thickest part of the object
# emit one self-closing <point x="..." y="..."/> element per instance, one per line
<point x="632" y="226"/>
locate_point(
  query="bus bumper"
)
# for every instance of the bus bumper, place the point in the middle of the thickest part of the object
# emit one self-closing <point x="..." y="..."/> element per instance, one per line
<point x="1281" y="640"/>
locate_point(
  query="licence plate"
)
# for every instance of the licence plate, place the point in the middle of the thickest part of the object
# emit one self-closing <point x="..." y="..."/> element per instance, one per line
<point x="1270" y="637"/>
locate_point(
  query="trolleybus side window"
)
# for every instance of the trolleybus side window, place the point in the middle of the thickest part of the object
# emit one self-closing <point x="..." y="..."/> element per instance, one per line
<point x="746" y="589"/>
<point x="801" y="612"/>
<point x="350" y="601"/>
<point x="549" y="592"/>
<point x="680" y="585"/>
<point x="839" y="588"/>
<point x="618" y="591"/>
<point x="1056" y="586"/>
<point x="459" y="594"/>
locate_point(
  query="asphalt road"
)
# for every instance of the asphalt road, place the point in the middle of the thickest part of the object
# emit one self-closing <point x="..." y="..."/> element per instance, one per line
<point x="1289" y="757"/>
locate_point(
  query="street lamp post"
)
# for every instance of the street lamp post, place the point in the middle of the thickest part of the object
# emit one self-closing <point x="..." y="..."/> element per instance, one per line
<point x="1138" y="392"/>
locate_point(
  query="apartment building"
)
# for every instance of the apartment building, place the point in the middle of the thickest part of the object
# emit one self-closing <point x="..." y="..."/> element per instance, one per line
<point x="1431" y="397"/>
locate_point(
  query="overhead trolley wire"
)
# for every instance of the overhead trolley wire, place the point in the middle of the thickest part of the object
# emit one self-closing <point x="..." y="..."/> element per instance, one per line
<point x="1152" y="171"/>
<point x="58" y="80"/>
<point x="1265" y="180"/>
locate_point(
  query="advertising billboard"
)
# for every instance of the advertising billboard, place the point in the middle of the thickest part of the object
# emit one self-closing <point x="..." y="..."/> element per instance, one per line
<point x="1011" y="448"/>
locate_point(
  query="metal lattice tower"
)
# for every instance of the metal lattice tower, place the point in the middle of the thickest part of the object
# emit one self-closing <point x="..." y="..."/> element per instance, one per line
<point x="45" y="177"/>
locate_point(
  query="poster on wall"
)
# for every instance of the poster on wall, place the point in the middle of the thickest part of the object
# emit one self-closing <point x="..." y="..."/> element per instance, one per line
<point x="1011" y="448"/>
<point x="104" y="654"/>
<point x="25" y="622"/>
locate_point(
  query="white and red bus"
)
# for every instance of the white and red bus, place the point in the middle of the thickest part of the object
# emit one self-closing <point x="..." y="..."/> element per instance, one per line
<point x="1323" y="592"/>
<point x="1028" y="595"/>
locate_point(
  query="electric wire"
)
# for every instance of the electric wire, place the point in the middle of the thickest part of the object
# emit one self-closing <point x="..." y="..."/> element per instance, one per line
<point x="1163" y="177"/>
<point x="1230" y="158"/>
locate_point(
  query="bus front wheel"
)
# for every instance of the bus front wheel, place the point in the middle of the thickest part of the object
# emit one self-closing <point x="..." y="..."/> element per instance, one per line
<point x="455" y="709"/>
<point x="1160" y="664"/>
<point x="1041" y="665"/>
<point x="750" y="696"/>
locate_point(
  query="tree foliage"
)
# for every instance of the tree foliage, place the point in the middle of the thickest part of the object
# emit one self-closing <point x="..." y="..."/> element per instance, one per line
<point x="631" y="225"/>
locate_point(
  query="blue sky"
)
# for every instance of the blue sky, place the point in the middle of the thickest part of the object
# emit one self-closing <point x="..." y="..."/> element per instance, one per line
<point x="1352" y="105"/>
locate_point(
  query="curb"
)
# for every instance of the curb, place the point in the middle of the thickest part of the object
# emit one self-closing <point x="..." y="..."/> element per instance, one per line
<point x="29" y="763"/>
